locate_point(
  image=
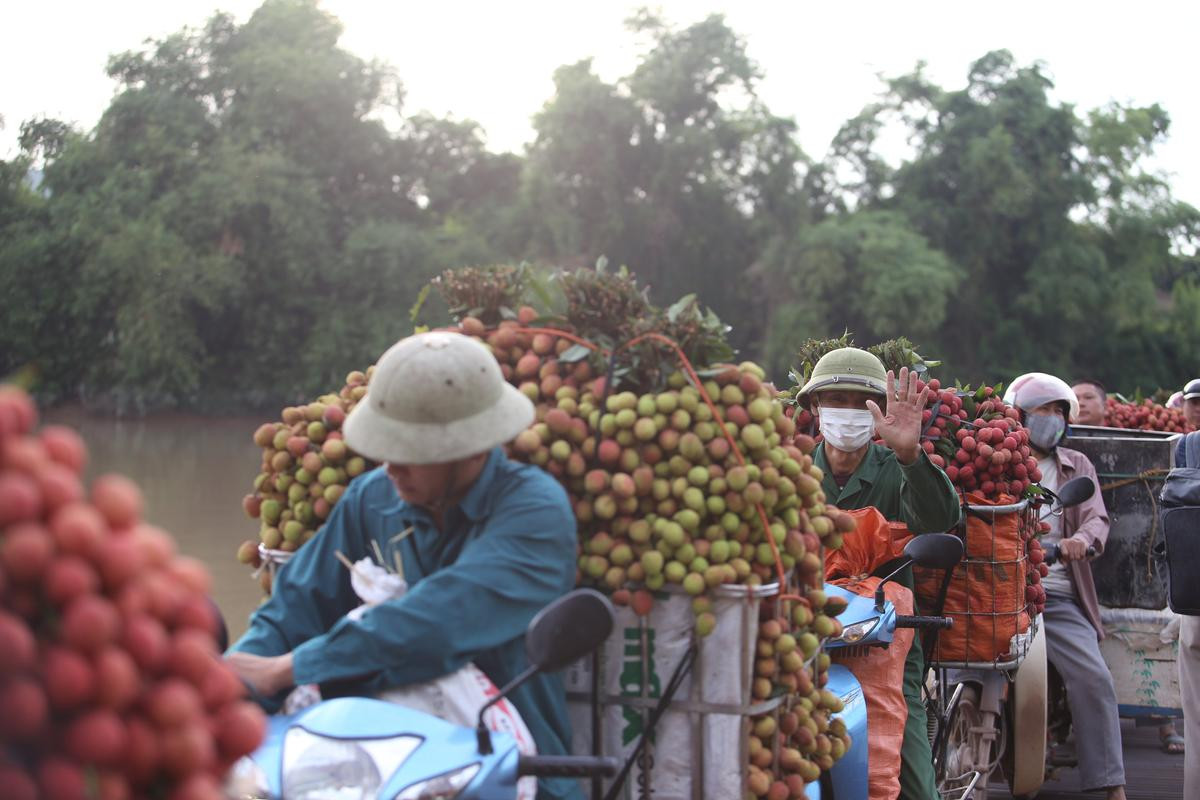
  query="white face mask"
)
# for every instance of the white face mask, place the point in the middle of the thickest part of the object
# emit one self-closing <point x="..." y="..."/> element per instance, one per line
<point x="847" y="429"/>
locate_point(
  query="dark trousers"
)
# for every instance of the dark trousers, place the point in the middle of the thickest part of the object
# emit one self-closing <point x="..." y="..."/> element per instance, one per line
<point x="917" y="780"/>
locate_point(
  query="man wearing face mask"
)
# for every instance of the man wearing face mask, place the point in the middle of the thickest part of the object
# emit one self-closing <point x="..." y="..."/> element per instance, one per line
<point x="1072" y="615"/>
<point x="855" y="401"/>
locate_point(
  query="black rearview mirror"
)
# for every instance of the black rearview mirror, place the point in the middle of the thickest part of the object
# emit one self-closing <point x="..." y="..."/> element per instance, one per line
<point x="568" y="629"/>
<point x="562" y="632"/>
<point x="1076" y="491"/>
<point x="932" y="550"/>
<point x="935" y="550"/>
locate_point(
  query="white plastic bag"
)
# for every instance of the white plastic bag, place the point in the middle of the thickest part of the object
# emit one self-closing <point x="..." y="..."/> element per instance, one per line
<point x="456" y="697"/>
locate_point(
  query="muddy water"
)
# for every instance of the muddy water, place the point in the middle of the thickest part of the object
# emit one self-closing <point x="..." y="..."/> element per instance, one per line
<point x="194" y="472"/>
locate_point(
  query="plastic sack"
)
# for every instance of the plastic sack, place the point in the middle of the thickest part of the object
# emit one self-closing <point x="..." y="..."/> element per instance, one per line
<point x="986" y="597"/>
<point x="880" y="670"/>
<point x="874" y="542"/>
<point x="1140" y="648"/>
<point x="373" y="584"/>
<point x="699" y="746"/>
<point x="457" y="698"/>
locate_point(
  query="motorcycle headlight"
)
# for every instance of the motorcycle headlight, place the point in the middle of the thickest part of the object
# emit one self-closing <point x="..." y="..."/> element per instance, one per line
<point x="444" y="787"/>
<point x="323" y="768"/>
<point x="247" y="781"/>
<point x="852" y="634"/>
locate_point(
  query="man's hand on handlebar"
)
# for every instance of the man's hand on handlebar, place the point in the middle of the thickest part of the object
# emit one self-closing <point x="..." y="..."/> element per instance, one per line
<point x="1072" y="549"/>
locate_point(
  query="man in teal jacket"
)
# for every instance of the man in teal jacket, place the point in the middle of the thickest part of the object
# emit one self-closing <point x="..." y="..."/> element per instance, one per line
<point x="492" y="542"/>
<point x="846" y="391"/>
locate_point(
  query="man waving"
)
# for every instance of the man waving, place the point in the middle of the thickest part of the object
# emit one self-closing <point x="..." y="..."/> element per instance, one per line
<point x="855" y="401"/>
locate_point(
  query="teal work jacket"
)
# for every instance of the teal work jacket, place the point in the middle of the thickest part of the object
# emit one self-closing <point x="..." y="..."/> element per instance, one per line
<point x="505" y="551"/>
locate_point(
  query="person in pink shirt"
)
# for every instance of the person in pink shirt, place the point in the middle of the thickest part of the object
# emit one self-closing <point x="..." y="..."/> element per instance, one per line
<point x="1072" y="615"/>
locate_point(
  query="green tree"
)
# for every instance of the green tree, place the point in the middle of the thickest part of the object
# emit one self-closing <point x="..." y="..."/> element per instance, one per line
<point x="32" y="298"/>
<point x="677" y="170"/>
<point x="863" y="272"/>
<point x="1056" y="249"/>
<point x="241" y="227"/>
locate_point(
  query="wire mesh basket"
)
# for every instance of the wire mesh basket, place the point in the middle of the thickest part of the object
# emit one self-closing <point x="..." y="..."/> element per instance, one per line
<point x="994" y="623"/>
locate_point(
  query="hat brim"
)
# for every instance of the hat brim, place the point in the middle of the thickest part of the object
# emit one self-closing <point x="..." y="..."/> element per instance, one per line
<point x="384" y="439"/>
<point x="841" y="384"/>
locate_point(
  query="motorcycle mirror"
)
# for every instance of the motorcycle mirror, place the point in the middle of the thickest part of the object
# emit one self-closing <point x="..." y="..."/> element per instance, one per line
<point x="562" y="632"/>
<point x="935" y="550"/>
<point x="1076" y="491"/>
<point x="568" y="629"/>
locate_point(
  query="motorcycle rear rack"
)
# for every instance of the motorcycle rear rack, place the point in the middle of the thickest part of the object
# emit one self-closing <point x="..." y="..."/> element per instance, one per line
<point x="1022" y="642"/>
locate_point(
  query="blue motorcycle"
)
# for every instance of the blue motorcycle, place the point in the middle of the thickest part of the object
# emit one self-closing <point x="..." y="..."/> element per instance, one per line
<point x="355" y="747"/>
<point x="872" y="622"/>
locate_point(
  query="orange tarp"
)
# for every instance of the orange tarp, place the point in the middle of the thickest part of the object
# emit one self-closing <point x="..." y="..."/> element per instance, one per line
<point x="874" y="542"/>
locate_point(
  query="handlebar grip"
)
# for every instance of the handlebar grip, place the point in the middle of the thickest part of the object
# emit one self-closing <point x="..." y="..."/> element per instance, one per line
<point x="906" y="621"/>
<point x="567" y="766"/>
<point x="1052" y="552"/>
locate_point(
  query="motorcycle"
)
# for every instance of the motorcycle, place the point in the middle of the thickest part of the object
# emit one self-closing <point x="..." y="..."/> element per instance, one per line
<point x="993" y="717"/>
<point x="872" y="622"/>
<point x="356" y="747"/>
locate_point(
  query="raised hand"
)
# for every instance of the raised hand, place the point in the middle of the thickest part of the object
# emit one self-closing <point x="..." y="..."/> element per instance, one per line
<point x="900" y="428"/>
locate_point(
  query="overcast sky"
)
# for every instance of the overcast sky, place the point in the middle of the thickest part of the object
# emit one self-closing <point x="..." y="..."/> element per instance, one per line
<point x="493" y="62"/>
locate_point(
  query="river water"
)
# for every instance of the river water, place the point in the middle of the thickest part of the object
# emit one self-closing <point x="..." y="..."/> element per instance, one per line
<point x="194" y="472"/>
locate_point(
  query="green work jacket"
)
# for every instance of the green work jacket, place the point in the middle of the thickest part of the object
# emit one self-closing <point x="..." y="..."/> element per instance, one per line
<point x="919" y="494"/>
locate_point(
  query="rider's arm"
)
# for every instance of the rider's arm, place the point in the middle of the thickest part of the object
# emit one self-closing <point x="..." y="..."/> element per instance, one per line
<point x="524" y="559"/>
<point x="928" y="501"/>
<point x="1088" y="521"/>
<point x="313" y="589"/>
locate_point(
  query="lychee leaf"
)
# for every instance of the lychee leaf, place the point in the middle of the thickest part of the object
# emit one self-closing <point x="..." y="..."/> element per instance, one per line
<point x="574" y="353"/>
<point x="679" y="306"/>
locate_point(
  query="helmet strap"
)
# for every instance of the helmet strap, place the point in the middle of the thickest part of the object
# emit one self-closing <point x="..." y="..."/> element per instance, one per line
<point x="452" y="492"/>
<point x="449" y="491"/>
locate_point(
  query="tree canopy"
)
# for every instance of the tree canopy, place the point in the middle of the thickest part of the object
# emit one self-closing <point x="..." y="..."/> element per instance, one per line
<point x="254" y="214"/>
<point x="1019" y="235"/>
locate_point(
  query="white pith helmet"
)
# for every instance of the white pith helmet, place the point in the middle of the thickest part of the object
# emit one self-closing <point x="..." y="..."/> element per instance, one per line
<point x="436" y="397"/>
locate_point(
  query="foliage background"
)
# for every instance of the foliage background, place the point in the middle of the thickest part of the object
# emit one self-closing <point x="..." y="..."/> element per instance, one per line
<point x="241" y="228"/>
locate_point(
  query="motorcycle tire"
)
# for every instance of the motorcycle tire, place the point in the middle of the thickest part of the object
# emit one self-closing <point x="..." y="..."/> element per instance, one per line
<point x="1026" y="707"/>
<point x="1006" y="763"/>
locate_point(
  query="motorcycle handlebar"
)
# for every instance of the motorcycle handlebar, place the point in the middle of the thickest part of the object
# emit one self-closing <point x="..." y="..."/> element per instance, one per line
<point x="906" y="621"/>
<point x="567" y="766"/>
<point x="1051" y="551"/>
